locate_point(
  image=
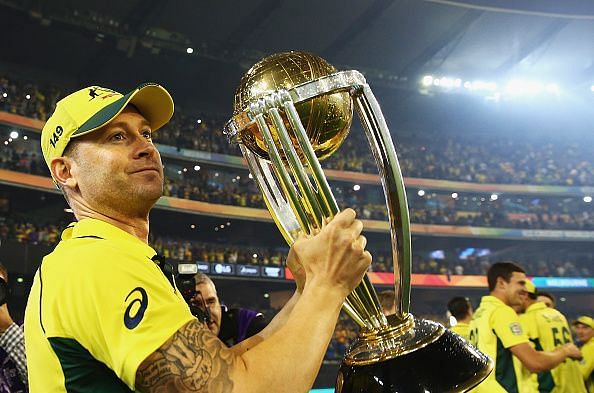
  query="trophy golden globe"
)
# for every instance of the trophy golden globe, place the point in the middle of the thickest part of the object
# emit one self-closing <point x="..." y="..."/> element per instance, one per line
<point x="292" y="110"/>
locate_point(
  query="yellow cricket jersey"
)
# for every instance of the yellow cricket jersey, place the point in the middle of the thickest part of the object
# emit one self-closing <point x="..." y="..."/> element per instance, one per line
<point x="587" y="364"/>
<point x="548" y="329"/>
<point x="98" y="307"/>
<point x="461" y="329"/>
<point x="495" y="328"/>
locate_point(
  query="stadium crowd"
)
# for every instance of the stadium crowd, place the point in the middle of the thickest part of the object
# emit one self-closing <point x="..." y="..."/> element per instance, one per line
<point x="472" y="158"/>
<point x="560" y="264"/>
<point x="218" y="186"/>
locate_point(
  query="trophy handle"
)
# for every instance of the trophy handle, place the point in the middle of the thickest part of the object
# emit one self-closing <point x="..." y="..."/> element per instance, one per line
<point x="380" y="142"/>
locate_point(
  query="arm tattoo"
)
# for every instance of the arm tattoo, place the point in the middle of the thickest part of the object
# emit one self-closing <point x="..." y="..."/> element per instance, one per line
<point x="192" y="360"/>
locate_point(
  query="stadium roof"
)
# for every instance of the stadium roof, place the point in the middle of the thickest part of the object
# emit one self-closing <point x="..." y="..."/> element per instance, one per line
<point x="393" y="42"/>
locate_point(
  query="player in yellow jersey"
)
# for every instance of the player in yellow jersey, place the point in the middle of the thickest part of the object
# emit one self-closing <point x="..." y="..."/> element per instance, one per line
<point x="461" y="309"/>
<point x="584" y="330"/>
<point x="495" y="330"/>
<point x="102" y="316"/>
<point x="548" y="329"/>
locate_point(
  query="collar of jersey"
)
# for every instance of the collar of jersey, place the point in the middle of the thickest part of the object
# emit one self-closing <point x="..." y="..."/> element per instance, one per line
<point x="93" y="228"/>
<point x="536" y="306"/>
<point x="493" y="299"/>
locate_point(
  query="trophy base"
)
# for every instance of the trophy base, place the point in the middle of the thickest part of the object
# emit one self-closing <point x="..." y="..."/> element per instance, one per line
<point x="444" y="362"/>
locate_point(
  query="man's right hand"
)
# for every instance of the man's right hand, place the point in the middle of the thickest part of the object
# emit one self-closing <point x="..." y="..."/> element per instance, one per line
<point x="573" y="352"/>
<point x="335" y="257"/>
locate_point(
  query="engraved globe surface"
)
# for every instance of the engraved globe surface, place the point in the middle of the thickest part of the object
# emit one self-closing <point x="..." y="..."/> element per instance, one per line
<point x="326" y="118"/>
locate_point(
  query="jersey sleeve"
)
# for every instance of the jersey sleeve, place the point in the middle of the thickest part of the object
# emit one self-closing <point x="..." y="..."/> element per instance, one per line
<point x="507" y="327"/>
<point x="587" y="363"/>
<point x="123" y="315"/>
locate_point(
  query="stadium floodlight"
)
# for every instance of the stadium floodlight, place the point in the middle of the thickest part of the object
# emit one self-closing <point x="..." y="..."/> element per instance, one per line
<point x="494" y="197"/>
<point x="28" y="96"/>
<point x="421" y="193"/>
<point x="524" y="87"/>
<point x="552" y="88"/>
<point x="446" y="83"/>
<point x="483" y="85"/>
<point x="189" y="50"/>
<point x="587" y="199"/>
<point x="14" y="134"/>
<point x="356" y="187"/>
<point x="196" y="168"/>
<point x="454" y="195"/>
<point x="427" y="80"/>
<point x="4" y="95"/>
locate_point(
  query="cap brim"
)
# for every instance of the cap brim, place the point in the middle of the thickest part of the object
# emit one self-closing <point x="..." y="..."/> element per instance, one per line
<point x="584" y="321"/>
<point x="151" y="99"/>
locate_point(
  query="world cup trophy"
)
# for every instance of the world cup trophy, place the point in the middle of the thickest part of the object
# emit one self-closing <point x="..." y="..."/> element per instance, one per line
<point x="292" y="110"/>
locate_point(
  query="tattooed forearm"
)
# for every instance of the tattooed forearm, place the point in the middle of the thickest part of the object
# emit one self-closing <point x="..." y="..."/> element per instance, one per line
<point x="193" y="360"/>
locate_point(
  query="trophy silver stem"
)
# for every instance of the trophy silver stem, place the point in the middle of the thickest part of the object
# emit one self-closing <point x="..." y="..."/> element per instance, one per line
<point x="384" y="153"/>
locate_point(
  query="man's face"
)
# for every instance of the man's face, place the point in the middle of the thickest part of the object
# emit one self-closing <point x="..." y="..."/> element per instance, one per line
<point x="546" y="300"/>
<point x="211" y="300"/>
<point x="525" y="302"/>
<point x="515" y="289"/>
<point x="583" y="332"/>
<point x="117" y="168"/>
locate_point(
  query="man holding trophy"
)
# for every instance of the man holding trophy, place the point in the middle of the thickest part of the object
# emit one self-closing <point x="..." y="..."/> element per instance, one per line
<point x="137" y="333"/>
<point x="101" y="315"/>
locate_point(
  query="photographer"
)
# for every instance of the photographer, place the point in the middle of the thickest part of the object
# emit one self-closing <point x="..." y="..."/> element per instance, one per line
<point x="231" y="325"/>
<point x="13" y="363"/>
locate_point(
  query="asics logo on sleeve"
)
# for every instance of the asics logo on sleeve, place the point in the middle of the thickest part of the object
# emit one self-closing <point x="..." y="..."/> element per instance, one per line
<point x="136" y="308"/>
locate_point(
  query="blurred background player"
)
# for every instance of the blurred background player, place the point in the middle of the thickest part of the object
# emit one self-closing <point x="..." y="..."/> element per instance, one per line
<point x="495" y="329"/>
<point x="584" y="330"/>
<point x="461" y="309"/>
<point x="547" y="298"/>
<point x="548" y="330"/>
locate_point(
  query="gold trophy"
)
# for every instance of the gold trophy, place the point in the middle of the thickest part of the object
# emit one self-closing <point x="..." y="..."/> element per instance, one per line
<point x="292" y="110"/>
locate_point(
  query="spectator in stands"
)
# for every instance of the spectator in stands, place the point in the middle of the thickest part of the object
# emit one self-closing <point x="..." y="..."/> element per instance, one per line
<point x="13" y="362"/>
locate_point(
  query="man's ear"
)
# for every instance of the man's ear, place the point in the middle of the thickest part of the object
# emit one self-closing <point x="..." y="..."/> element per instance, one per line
<point x="61" y="169"/>
<point x="500" y="282"/>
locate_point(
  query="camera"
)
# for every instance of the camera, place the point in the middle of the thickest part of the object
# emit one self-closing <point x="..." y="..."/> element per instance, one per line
<point x="186" y="285"/>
